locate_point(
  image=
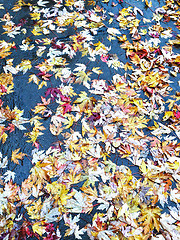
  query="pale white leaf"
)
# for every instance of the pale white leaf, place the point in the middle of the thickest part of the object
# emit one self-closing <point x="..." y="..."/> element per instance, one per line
<point x="78" y="232"/>
<point x="9" y="175"/>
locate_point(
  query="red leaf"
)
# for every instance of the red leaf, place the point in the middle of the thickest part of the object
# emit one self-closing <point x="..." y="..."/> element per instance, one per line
<point x="104" y="58"/>
<point x="66" y="108"/>
<point x="64" y="98"/>
<point x="36" y="145"/>
<point x="142" y="53"/>
<point x="177" y="114"/>
<point x="2" y="89"/>
<point x="53" y="92"/>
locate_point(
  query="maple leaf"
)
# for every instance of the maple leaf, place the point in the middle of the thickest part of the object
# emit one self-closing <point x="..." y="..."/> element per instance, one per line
<point x="149" y="4"/>
<point x="43" y="83"/>
<point x="104" y="58"/>
<point x="55" y="129"/>
<point x="142" y="53"/>
<point x="16" y="156"/>
<point x="79" y="232"/>
<point x="144" y="169"/>
<point x="5" y="49"/>
<point x="82" y="77"/>
<point x="90" y="191"/>
<point x="33" y="135"/>
<point x="60" y="192"/>
<point x="44" y="102"/>
<point x="53" y="92"/>
<point x="91" y="2"/>
<point x="78" y="204"/>
<point x="134" y="123"/>
<point x="38" y="228"/>
<point x="44" y="75"/>
<point x="135" y="58"/>
<point x="123" y="38"/>
<point x="39" y="109"/>
<point x="72" y="177"/>
<point x="34" y="78"/>
<point x="77" y="42"/>
<point x="150" y="218"/>
<point x="19" y="4"/>
<point x="84" y="101"/>
<point x="8" y="175"/>
<point x="69" y="3"/>
<point x="52" y="215"/>
<point x="40" y="174"/>
<point x="35" y="15"/>
<point x="25" y="65"/>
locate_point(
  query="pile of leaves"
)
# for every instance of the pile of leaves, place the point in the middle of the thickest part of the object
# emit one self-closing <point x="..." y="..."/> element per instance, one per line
<point x="107" y="77"/>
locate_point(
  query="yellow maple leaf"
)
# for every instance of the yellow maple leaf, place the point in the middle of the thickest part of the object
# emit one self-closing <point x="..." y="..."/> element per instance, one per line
<point x="83" y="77"/>
<point x="135" y="59"/>
<point x="38" y="228"/>
<point x="5" y="48"/>
<point x="16" y="156"/>
<point x="35" y="15"/>
<point x="33" y="135"/>
<point x="85" y="102"/>
<point x="150" y="218"/>
<point x="19" y="4"/>
<point x="90" y="191"/>
<point x="25" y="65"/>
<point x="39" y="109"/>
<point x="72" y="178"/>
<point x="133" y="123"/>
<point x="143" y="168"/>
<point x="43" y="83"/>
<point x="175" y="165"/>
<point x="34" y="209"/>
<point x="33" y="78"/>
<point x="60" y="192"/>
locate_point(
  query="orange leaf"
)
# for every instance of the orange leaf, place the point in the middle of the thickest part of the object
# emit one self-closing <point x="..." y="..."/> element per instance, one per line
<point x="15" y="156"/>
